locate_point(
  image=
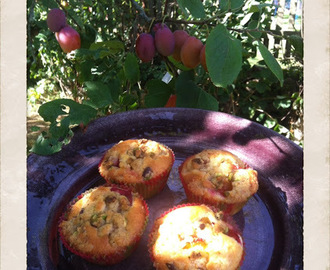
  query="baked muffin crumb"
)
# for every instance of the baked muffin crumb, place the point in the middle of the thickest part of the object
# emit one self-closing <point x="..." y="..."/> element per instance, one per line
<point x="142" y="164"/>
<point x="193" y="237"/>
<point x="104" y="221"/>
<point x="218" y="178"/>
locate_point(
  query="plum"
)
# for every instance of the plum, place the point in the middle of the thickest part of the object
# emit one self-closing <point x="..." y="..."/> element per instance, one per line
<point x="180" y="37"/>
<point x="156" y="27"/>
<point x="56" y="19"/>
<point x="171" y="102"/>
<point x="164" y="41"/>
<point x="190" y="52"/>
<point x="68" y="38"/>
<point x="145" y="47"/>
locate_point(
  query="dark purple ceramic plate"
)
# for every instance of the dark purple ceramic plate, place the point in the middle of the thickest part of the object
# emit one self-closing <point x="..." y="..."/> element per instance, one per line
<point x="271" y="221"/>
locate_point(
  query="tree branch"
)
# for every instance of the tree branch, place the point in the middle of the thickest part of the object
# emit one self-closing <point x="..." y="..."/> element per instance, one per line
<point x="148" y="19"/>
<point x="274" y="33"/>
<point x="142" y="14"/>
<point x="208" y="21"/>
<point x="165" y="7"/>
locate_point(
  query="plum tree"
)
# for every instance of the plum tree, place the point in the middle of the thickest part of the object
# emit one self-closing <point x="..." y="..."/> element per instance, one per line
<point x="118" y="82"/>
<point x="68" y="38"/>
<point x="164" y="41"/>
<point x="56" y="19"/>
<point x="145" y="47"/>
<point x="190" y="52"/>
<point x="203" y="58"/>
<point x="180" y="37"/>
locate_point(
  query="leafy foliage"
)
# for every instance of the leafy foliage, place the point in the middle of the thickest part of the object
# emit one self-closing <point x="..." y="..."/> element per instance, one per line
<point x="195" y="8"/>
<point x="223" y="56"/>
<point x="271" y="62"/>
<point x="104" y="76"/>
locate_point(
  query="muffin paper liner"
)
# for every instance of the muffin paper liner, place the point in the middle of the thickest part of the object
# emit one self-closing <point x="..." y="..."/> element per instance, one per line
<point x="148" y="188"/>
<point x="227" y="218"/>
<point x="114" y="257"/>
<point x="228" y="208"/>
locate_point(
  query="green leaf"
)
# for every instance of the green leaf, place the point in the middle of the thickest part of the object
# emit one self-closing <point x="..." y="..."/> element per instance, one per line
<point x="231" y="4"/>
<point x="262" y="87"/>
<point x="99" y="94"/>
<point x="88" y="2"/>
<point x="59" y="130"/>
<point x="297" y="42"/>
<point x="270" y="123"/>
<point x="282" y="103"/>
<point x="78" y="112"/>
<point x="188" y="75"/>
<point x="88" y="36"/>
<point x="249" y="110"/>
<point x="258" y="8"/>
<point x="64" y="113"/>
<point x="195" y="7"/>
<point x="50" y="4"/>
<point x="189" y="95"/>
<point x="223" y="56"/>
<point x="158" y="93"/>
<point x="84" y="54"/>
<point x="99" y="50"/>
<point x="178" y="64"/>
<point x="253" y="25"/>
<point x="121" y="76"/>
<point x="131" y="68"/>
<point x="114" y="86"/>
<point x="281" y="129"/>
<point x="84" y="69"/>
<point x="46" y="146"/>
<point x="77" y="20"/>
<point x="113" y="46"/>
<point x="127" y="100"/>
<point x="260" y="117"/>
<point x="271" y="62"/>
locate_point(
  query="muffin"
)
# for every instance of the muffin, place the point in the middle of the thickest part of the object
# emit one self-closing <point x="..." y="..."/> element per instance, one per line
<point x="218" y="178"/>
<point x="193" y="236"/>
<point x="143" y="165"/>
<point x="104" y="224"/>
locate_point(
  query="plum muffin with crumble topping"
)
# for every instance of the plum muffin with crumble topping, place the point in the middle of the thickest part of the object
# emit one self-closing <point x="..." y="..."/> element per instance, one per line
<point x="218" y="178"/>
<point x="104" y="224"/>
<point x="194" y="236"/>
<point x="143" y="165"/>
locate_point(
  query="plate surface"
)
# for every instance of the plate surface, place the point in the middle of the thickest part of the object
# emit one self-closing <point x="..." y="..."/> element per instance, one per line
<point x="271" y="221"/>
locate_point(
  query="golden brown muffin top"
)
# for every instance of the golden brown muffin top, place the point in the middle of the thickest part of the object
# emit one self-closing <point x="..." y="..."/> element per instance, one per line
<point x="194" y="237"/>
<point x="219" y="174"/>
<point x="134" y="161"/>
<point x="104" y="221"/>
